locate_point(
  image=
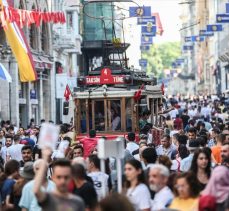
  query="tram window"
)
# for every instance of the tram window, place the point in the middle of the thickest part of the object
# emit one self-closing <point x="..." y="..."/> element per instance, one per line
<point x="83" y="121"/>
<point x="115" y="115"/>
<point x="99" y="116"/>
<point x="128" y="115"/>
<point x="143" y="105"/>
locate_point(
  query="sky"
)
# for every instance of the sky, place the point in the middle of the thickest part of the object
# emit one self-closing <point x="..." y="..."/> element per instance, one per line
<point x="169" y="11"/>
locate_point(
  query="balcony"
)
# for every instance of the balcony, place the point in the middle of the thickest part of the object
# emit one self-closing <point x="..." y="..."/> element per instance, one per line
<point x="67" y="40"/>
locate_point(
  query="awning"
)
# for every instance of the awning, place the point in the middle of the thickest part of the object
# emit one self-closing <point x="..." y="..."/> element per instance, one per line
<point x="42" y="62"/>
<point x="4" y="74"/>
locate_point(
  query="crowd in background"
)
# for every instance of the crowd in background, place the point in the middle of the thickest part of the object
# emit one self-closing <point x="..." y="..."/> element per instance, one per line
<point x="187" y="170"/>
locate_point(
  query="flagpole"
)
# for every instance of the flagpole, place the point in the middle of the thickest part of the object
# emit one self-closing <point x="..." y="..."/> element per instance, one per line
<point x="9" y="64"/>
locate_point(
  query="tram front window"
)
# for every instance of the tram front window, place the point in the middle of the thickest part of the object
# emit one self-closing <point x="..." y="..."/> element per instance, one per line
<point x="99" y="116"/>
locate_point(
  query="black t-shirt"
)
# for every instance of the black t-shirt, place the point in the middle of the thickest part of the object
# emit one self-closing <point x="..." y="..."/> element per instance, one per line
<point x="185" y="119"/>
<point x="88" y="194"/>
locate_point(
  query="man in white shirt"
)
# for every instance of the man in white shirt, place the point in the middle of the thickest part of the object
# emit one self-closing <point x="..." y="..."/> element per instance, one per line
<point x="173" y="113"/>
<point x="158" y="178"/>
<point x="8" y="143"/>
<point x="14" y="151"/>
<point x="99" y="178"/>
<point x="185" y="164"/>
<point x="166" y="147"/>
<point x="131" y="145"/>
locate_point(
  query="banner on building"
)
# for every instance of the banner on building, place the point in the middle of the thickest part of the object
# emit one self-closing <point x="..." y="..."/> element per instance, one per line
<point x="147" y="20"/>
<point x="143" y="62"/>
<point x="222" y="18"/>
<point x="20" y="49"/>
<point x="140" y="11"/>
<point x="159" y="26"/>
<point x="205" y="33"/>
<point x="214" y="28"/>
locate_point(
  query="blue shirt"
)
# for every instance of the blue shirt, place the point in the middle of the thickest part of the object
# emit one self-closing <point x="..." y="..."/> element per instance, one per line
<point x="185" y="164"/>
<point x="211" y="143"/>
<point x="28" y="199"/>
<point x="7" y="188"/>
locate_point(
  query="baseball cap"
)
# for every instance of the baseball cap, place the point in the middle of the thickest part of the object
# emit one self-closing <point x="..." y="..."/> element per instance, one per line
<point x="27" y="172"/>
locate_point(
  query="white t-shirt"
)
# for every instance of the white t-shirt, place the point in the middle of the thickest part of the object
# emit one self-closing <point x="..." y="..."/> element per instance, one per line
<point x="99" y="179"/>
<point x="191" y="113"/>
<point x="162" y="199"/>
<point x="173" y="113"/>
<point x="131" y="146"/>
<point x="139" y="197"/>
<point x="3" y="153"/>
<point x="14" y="151"/>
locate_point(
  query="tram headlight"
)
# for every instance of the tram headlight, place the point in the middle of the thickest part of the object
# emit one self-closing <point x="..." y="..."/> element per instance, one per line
<point x="81" y="81"/>
<point x="104" y="90"/>
<point x="128" y="79"/>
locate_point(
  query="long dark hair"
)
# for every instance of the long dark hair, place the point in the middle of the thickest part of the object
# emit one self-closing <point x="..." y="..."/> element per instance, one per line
<point x="138" y="166"/>
<point x="194" y="167"/>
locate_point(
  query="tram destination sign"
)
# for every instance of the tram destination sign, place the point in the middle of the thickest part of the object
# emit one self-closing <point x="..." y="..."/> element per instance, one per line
<point x="105" y="78"/>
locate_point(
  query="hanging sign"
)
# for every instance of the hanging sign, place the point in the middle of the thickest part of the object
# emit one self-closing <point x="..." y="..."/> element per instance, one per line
<point x="146" y="20"/>
<point x="143" y="62"/>
<point x="214" y="28"/>
<point x="205" y="33"/>
<point x="105" y="78"/>
<point x="144" y="47"/>
<point x="187" y="47"/>
<point x="145" y="40"/>
<point x="140" y="11"/>
<point x="227" y="7"/>
<point x="222" y="18"/>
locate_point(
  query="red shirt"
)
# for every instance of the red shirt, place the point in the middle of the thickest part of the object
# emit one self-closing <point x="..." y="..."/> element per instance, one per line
<point x="89" y="144"/>
<point x="179" y="123"/>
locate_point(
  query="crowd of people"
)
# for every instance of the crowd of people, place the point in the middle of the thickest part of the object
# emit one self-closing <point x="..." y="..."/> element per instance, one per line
<point x="187" y="171"/>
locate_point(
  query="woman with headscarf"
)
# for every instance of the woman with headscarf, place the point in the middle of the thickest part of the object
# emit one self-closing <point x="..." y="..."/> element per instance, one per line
<point x="217" y="188"/>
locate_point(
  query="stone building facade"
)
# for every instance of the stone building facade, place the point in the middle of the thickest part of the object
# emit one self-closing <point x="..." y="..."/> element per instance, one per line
<point x="21" y="102"/>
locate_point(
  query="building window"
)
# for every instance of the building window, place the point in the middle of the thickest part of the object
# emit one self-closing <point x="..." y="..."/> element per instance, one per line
<point x="69" y="16"/>
<point x="21" y="4"/>
<point x="44" y="38"/>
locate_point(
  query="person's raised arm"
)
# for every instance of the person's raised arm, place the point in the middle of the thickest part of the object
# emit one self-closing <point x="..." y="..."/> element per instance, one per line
<point x="40" y="195"/>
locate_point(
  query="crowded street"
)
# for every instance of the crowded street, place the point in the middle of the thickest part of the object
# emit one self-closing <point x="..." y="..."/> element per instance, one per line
<point x="114" y="105"/>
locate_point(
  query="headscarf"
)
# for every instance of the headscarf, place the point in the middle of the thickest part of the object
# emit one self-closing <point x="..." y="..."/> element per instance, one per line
<point x="218" y="185"/>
